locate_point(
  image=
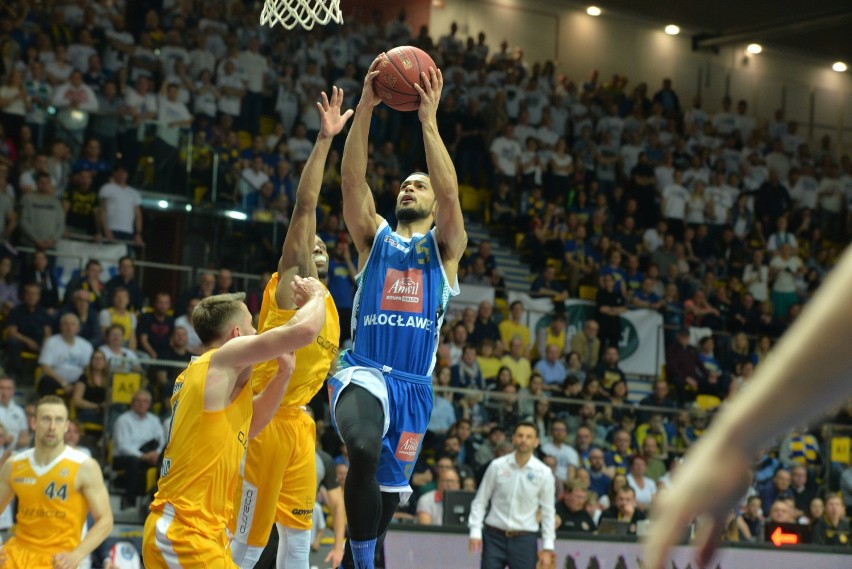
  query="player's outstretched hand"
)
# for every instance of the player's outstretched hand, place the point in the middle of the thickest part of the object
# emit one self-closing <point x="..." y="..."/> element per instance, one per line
<point x="369" y="96"/>
<point x="335" y="556"/>
<point x="710" y="482"/>
<point x="305" y="289"/>
<point x="331" y="121"/>
<point x="430" y="93"/>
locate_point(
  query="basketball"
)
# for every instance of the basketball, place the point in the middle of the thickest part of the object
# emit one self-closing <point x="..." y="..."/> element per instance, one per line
<point x="400" y="69"/>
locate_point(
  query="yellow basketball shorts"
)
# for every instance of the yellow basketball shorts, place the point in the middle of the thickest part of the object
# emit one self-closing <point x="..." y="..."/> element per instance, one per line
<point x="279" y="479"/>
<point x="168" y="543"/>
<point x="20" y="557"/>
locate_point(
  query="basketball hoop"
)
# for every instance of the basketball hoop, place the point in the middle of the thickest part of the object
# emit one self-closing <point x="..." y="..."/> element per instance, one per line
<point x="290" y="13"/>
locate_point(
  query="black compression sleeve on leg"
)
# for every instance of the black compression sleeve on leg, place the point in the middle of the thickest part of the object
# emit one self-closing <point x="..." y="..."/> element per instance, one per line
<point x="360" y="420"/>
<point x="390" y="502"/>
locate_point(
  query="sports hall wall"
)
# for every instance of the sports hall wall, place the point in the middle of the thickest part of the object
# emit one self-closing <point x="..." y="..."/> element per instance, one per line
<point x="812" y="94"/>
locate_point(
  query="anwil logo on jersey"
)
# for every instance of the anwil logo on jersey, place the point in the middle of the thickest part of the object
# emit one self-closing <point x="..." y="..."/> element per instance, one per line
<point x="403" y="291"/>
<point x="406" y="451"/>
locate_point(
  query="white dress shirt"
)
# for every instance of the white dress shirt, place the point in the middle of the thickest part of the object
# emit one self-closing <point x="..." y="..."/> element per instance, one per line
<point x="516" y="493"/>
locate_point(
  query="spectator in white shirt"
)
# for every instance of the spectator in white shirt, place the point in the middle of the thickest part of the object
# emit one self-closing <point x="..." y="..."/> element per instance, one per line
<point x="201" y="58"/>
<point x="792" y="140"/>
<point x="567" y="459"/>
<point x="778" y="160"/>
<point x="254" y="177"/>
<point x="59" y="70"/>
<point x="173" y="52"/>
<point x="506" y="156"/>
<point x="139" y="439"/>
<point x="745" y="123"/>
<point x="725" y="121"/>
<point x="311" y="81"/>
<point x="205" y="96"/>
<point x="830" y="200"/>
<point x="299" y="146"/>
<point x="74" y="101"/>
<point x="171" y="118"/>
<point x="696" y="116"/>
<point x="777" y="127"/>
<point x="517" y="486"/>
<point x="341" y="50"/>
<point x="652" y="238"/>
<point x="756" y="277"/>
<point x="63" y="357"/>
<point x="784" y="269"/>
<point x="255" y="67"/>
<point x="80" y="51"/>
<point x="675" y="198"/>
<point x="430" y="506"/>
<point x="231" y="90"/>
<point x="804" y="190"/>
<point x="644" y="487"/>
<point x="184" y="321"/>
<point x="12" y="416"/>
<point x="120" y="45"/>
<point x="121" y="209"/>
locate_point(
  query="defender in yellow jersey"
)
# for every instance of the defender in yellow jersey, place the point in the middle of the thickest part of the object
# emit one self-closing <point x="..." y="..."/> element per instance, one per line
<point x="56" y="487"/>
<point x="278" y="482"/>
<point x="214" y="414"/>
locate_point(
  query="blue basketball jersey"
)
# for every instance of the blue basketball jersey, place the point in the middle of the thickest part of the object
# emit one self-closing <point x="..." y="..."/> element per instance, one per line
<point x="402" y="294"/>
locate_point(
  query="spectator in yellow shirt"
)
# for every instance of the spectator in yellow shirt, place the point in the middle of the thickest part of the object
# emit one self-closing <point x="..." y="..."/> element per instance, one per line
<point x="513" y="326"/>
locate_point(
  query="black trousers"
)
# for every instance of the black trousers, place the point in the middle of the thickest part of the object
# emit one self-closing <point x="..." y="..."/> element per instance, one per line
<point x="499" y="551"/>
<point x="134" y="476"/>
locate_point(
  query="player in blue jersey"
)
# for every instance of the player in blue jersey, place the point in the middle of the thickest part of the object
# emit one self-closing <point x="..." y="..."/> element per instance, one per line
<point x="381" y="396"/>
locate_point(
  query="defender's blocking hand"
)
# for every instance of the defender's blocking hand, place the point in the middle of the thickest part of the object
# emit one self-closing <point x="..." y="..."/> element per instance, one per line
<point x="331" y="120"/>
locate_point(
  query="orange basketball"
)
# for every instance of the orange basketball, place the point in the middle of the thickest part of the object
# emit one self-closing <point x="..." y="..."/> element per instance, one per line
<point x="400" y="69"/>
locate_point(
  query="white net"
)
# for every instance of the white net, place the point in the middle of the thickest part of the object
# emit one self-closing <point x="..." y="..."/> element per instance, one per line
<point x="306" y="13"/>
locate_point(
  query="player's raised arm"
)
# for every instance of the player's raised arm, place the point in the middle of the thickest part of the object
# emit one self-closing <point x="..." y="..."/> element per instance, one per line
<point x="299" y="331"/>
<point x="359" y="208"/>
<point x="713" y="477"/>
<point x="299" y="242"/>
<point x="449" y="222"/>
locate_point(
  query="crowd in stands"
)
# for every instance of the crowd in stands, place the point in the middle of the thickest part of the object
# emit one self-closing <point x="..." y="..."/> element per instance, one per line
<point x="615" y="191"/>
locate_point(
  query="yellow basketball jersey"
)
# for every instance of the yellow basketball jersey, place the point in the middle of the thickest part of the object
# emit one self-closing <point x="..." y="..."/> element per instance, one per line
<point x="51" y="512"/>
<point x="555" y="339"/>
<point x="124" y="320"/>
<point x="312" y="362"/>
<point x="202" y="458"/>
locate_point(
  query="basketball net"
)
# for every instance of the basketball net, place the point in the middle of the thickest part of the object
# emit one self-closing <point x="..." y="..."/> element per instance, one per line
<point x="290" y="13"/>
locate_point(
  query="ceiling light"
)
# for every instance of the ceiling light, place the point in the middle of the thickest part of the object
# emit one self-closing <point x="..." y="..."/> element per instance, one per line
<point x="593" y="11"/>
<point x="754" y="48"/>
<point x="163" y="204"/>
<point x="672" y="30"/>
<point x="839" y="66"/>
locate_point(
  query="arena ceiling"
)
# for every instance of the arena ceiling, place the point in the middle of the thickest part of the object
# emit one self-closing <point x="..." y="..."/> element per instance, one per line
<point x="819" y="28"/>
